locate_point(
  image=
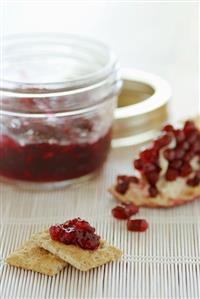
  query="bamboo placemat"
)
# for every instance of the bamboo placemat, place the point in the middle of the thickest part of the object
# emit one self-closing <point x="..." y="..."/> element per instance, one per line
<point x="163" y="262"/>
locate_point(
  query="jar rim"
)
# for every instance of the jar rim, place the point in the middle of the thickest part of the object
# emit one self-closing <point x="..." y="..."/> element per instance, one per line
<point x="24" y="89"/>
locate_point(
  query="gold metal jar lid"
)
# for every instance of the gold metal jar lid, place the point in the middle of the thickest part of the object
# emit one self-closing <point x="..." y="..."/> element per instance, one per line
<point x="142" y="108"/>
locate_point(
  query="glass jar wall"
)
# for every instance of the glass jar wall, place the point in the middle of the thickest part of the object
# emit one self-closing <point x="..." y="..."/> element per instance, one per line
<point x="58" y="97"/>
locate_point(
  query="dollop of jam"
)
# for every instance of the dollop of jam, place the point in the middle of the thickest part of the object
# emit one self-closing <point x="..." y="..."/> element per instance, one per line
<point x="75" y="232"/>
<point x="180" y="148"/>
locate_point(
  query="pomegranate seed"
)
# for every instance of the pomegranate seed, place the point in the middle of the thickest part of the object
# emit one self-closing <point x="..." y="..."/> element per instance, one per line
<point x="70" y="223"/>
<point x="137" y="225"/>
<point x="87" y="240"/>
<point x="133" y="179"/>
<point x="152" y="177"/>
<point x="168" y="128"/>
<point x="120" y="212"/>
<point x="192" y="136"/>
<point x="68" y="235"/>
<point x="55" y="231"/>
<point x="179" y="153"/>
<point x="149" y="155"/>
<point x="189" y="126"/>
<point x="192" y="151"/>
<point x="176" y="164"/>
<point x="122" y="179"/>
<point x="165" y="139"/>
<point x="148" y="167"/>
<point x="169" y="154"/>
<point x="122" y="187"/>
<point x="153" y="191"/>
<point x="162" y="141"/>
<point x="84" y="225"/>
<point x="123" y="183"/>
<point x="138" y="164"/>
<point x="179" y="135"/>
<point x="171" y="174"/>
<point x="195" y="181"/>
<point x="196" y="146"/>
<point x="184" y="145"/>
<point x="185" y="170"/>
<point x="130" y="209"/>
<point x="188" y="156"/>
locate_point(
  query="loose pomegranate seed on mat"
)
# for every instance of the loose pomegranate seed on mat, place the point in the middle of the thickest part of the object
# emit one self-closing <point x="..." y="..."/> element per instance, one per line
<point x="75" y="232"/>
<point x="130" y="209"/>
<point x="124" y="211"/>
<point x="137" y="225"/>
<point x="120" y="213"/>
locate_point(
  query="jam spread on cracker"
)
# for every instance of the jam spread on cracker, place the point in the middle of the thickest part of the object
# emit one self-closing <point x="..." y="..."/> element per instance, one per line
<point x="76" y="232"/>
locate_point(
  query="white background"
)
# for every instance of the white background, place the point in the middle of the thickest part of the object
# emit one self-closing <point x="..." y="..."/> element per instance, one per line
<point x="154" y="36"/>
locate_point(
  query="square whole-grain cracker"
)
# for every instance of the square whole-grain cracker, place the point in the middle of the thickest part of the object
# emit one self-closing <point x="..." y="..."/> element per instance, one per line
<point x="79" y="258"/>
<point x="32" y="257"/>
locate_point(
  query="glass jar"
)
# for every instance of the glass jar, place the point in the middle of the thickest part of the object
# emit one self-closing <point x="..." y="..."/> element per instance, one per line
<point x="58" y="96"/>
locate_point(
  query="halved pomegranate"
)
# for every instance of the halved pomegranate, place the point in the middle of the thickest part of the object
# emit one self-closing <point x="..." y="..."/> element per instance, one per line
<point x="168" y="171"/>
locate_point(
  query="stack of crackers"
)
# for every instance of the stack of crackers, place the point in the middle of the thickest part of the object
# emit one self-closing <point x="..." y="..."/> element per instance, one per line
<point x="42" y="254"/>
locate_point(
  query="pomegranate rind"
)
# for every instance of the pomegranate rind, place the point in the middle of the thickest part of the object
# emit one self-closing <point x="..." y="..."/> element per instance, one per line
<point x="162" y="201"/>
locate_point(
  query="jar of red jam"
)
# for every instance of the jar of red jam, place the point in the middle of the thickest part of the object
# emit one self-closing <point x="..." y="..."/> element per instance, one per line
<point x="58" y="95"/>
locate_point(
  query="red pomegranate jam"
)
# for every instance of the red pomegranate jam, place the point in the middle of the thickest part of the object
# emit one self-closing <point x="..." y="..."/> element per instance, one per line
<point x="46" y="162"/>
<point x="75" y="232"/>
